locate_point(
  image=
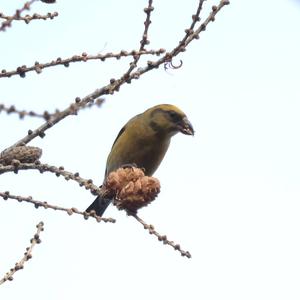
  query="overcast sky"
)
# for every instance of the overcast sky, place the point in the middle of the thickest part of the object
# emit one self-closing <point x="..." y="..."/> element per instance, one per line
<point x="230" y="194"/>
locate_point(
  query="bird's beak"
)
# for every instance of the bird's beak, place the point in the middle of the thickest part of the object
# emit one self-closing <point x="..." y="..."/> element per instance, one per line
<point x="186" y="127"/>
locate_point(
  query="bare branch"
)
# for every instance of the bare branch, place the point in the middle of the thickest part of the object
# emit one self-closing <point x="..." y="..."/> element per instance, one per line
<point x="69" y="211"/>
<point x="58" y="171"/>
<point x="188" y="32"/>
<point x="161" y="238"/>
<point x="144" y="41"/>
<point x="169" y="55"/>
<point x="55" y="118"/>
<point x="114" y="85"/>
<point x="7" y="23"/>
<point x="209" y="19"/>
<point x="27" y="255"/>
<point x="45" y="115"/>
<point x="28" y="18"/>
<point x="84" y="57"/>
<point x="16" y="166"/>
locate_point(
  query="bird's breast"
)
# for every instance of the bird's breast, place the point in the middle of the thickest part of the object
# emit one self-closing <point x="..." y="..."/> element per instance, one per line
<point x="145" y="152"/>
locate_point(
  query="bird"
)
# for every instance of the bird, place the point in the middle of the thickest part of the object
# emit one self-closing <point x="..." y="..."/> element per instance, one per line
<point x="143" y="142"/>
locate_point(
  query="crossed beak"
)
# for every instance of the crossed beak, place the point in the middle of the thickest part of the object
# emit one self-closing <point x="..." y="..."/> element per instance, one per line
<point x="186" y="127"/>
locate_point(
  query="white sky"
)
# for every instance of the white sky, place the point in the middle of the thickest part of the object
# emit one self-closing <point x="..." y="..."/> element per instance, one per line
<point x="230" y="195"/>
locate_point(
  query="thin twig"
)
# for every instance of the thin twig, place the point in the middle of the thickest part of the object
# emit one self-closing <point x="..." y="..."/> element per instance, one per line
<point x="69" y="211"/>
<point x="7" y="23"/>
<point x="144" y="41"/>
<point x="195" y="19"/>
<point x="84" y="57"/>
<point x="58" y="171"/>
<point x="55" y="118"/>
<point x="27" y="255"/>
<point x="148" y="10"/>
<point x="161" y="238"/>
<point x="209" y="19"/>
<point x="45" y="115"/>
<point x="28" y="18"/>
<point x="169" y="55"/>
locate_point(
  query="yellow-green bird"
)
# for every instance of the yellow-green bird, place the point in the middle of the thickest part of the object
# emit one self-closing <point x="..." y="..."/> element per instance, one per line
<point x="143" y="142"/>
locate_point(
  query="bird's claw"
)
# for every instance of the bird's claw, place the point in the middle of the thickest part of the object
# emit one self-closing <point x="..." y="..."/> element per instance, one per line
<point x="127" y="166"/>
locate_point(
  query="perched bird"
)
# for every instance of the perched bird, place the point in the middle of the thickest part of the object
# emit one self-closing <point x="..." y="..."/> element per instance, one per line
<point x="143" y="142"/>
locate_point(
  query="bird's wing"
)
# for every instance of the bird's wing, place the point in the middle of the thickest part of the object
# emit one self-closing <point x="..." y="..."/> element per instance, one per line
<point x="119" y="134"/>
<point x="124" y="128"/>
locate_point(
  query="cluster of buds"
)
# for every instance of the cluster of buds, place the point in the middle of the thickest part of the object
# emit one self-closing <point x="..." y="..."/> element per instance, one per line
<point x="131" y="189"/>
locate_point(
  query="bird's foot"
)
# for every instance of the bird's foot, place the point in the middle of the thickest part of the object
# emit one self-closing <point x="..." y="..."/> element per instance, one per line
<point x="128" y="166"/>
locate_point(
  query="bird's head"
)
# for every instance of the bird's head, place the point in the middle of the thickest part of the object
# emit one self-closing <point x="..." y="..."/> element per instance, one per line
<point x="168" y="119"/>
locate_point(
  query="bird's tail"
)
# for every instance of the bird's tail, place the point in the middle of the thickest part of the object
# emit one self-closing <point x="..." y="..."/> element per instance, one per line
<point x="99" y="205"/>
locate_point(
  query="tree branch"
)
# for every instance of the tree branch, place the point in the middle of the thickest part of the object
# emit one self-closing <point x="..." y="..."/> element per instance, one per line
<point x="69" y="211"/>
<point x="7" y="23"/>
<point x="27" y="255"/>
<point x="114" y="85"/>
<point x="45" y="115"/>
<point x="161" y="238"/>
<point x="84" y="57"/>
<point x="17" y="166"/>
<point x="27" y="19"/>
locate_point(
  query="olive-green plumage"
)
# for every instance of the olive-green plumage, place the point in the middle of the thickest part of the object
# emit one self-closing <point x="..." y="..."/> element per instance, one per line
<point x="143" y="142"/>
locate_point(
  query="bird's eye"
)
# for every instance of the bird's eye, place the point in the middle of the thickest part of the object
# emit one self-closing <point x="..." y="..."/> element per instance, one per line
<point x="175" y="117"/>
